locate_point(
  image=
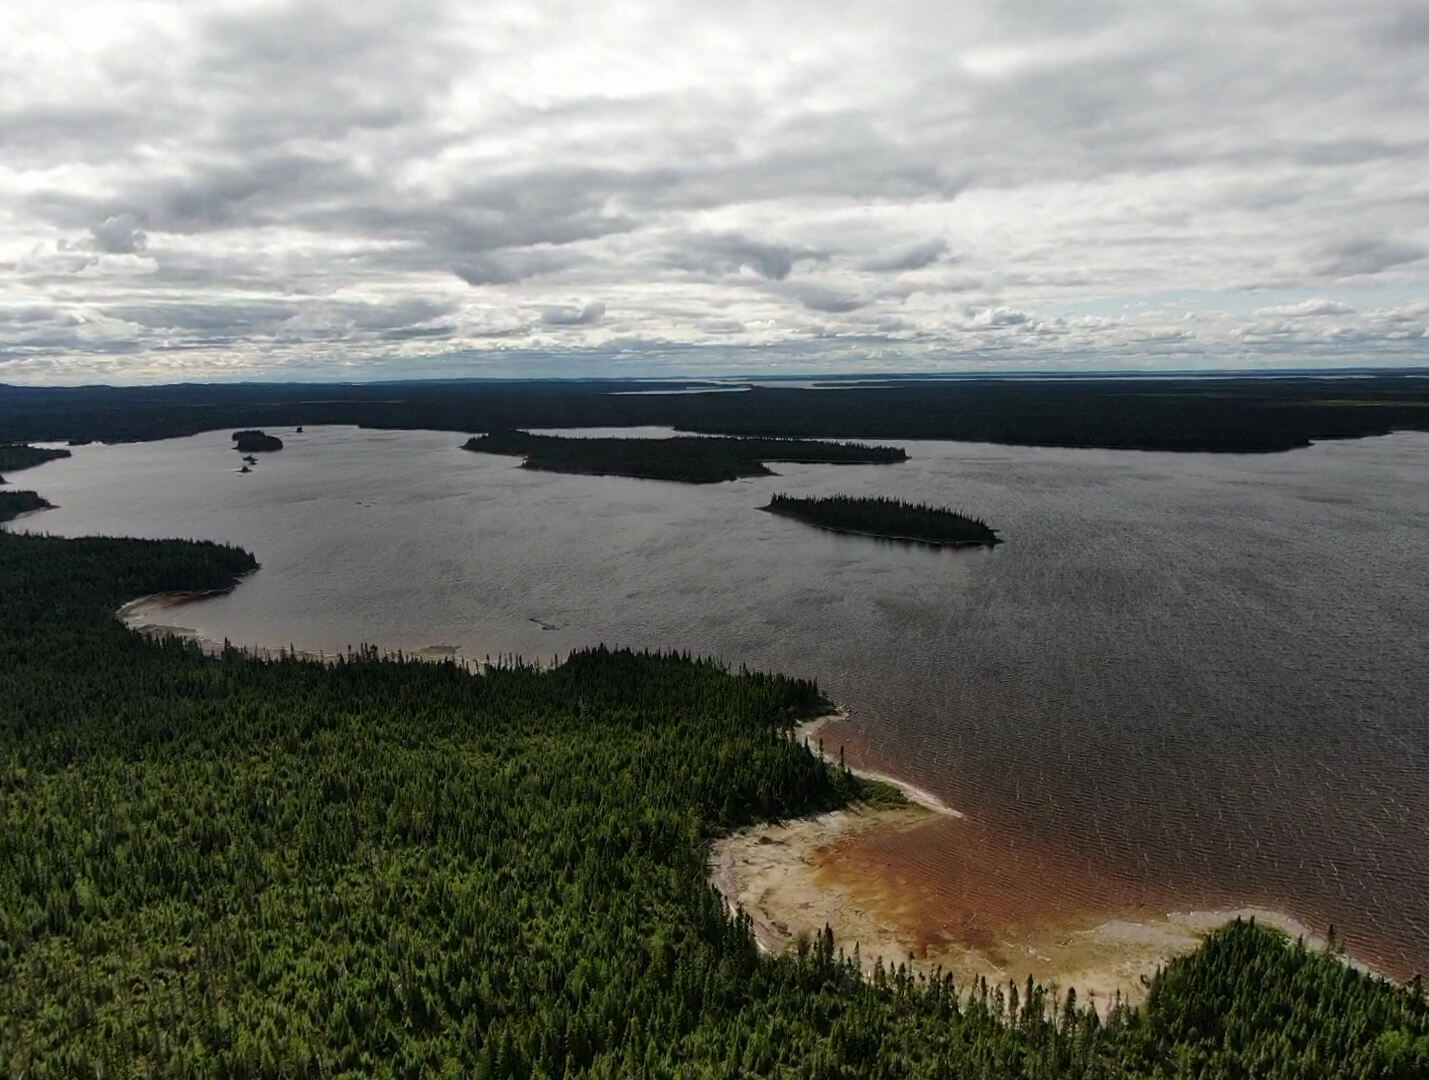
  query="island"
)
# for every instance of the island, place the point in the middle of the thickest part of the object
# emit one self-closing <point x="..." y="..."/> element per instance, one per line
<point x="15" y="503"/>
<point x="686" y="459"/>
<point x="17" y="456"/>
<point x="887" y="519"/>
<point x="256" y="442"/>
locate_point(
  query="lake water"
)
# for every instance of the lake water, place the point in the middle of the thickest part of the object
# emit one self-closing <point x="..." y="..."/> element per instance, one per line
<point x="1195" y="676"/>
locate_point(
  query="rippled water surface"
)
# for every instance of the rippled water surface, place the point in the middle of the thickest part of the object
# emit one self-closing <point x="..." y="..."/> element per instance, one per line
<point x="1207" y="674"/>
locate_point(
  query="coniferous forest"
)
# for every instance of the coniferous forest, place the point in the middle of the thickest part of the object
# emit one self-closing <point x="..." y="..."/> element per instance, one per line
<point x="256" y="442"/>
<point x="687" y="459"/>
<point x="15" y="503"/>
<point x="883" y="517"/>
<point x="236" y="868"/>
<point x="1240" y="413"/>
<point x="17" y="456"/>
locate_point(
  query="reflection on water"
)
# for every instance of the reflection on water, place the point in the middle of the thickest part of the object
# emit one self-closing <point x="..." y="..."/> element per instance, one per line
<point x="1201" y="673"/>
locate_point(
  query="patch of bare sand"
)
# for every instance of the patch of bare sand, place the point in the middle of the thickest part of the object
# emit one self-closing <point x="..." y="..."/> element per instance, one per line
<point x="924" y="886"/>
<point x="146" y="615"/>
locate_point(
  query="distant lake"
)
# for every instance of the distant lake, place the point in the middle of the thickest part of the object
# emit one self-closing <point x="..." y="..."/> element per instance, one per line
<point x="1206" y="672"/>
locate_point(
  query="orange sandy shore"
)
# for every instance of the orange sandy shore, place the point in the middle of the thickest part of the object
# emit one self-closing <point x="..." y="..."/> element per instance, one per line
<point x="929" y="887"/>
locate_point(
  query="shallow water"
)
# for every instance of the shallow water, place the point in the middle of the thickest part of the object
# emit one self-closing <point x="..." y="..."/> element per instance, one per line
<point x="1196" y="676"/>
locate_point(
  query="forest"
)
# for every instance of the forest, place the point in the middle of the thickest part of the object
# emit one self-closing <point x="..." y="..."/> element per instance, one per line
<point x="1227" y="413"/>
<point x="17" y="456"/>
<point x="256" y="442"/>
<point x="690" y="460"/>
<point x="890" y="519"/>
<point x="226" y="867"/>
<point x="15" y="503"/>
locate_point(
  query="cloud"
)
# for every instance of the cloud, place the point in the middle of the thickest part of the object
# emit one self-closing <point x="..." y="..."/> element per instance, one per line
<point x="220" y="189"/>
<point x="818" y="297"/>
<point x="571" y="315"/>
<point x="119" y="234"/>
<point x="510" y="267"/>
<point x="726" y="253"/>
<point x="910" y="258"/>
<point x="1306" y="309"/>
<point x="1367" y="255"/>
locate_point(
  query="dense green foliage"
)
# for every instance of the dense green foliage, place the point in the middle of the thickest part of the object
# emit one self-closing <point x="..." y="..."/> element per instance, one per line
<point x="17" y="456"/>
<point x="253" y="442"/>
<point x="687" y="459"/>
<point x="15" y="503"/>
<point x="226" y="867"/>
<point x="889" y="518"/>
<point x="1229" y="413"/>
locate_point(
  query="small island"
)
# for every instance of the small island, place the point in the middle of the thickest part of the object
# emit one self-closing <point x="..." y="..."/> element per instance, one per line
<point x="17" y="456"/>
<point x="15" y="503"/>
<point x="686" y="458"/>
<point x="256" y="442"/>
<point x="887" y="519"/>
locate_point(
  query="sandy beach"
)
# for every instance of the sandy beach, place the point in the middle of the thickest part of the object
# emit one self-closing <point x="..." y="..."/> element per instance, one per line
<point x="925" y="886"/>
<point x="154" y="616"/>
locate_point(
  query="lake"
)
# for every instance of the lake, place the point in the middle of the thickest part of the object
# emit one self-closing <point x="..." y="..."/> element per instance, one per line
<point x="1197" y="679"/>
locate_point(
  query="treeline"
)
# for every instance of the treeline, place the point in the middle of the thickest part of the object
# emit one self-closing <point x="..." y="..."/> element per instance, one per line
<point x="687" y="459"/>
<point x="15" y="503"/>
<point x="227" y="867"/>
<point x="891" y="519"/>
<point x="256" y="442"/>
<point x="1233" y="413"/>
<point x="17" y="456"/>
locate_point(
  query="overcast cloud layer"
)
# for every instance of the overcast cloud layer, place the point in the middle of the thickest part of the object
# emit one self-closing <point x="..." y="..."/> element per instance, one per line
<point x="379" y="189"/>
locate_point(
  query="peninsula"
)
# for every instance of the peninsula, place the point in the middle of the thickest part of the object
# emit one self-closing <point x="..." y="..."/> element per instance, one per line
<point x="15" y="503"/>
<point x="686" y="459"/>
<point x="256" y="442"/>
<point x="887" y="519"/>
<point x="17" y="456"/>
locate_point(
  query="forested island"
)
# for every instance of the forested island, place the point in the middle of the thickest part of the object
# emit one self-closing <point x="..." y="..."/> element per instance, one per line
<point x="15" y="503"/>
<point x="17" y="456"/>
<point x="242" y="868"/>
<point x="888" y="519"/>
<point x="687" y="459"/>
<point x="1217" y="412"/>
<point x="256" y="442"/>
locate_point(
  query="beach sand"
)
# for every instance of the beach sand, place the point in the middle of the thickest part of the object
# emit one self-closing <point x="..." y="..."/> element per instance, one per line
<point x="926" y="886"/>
<point x="151" y="615"/>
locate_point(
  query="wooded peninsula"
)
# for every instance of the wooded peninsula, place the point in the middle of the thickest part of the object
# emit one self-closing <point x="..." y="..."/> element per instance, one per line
<point x="15" y="503"/>
<point x="887" y="519"/>
<point x="17" y="456"/>
<point x="233" y="867"/>
<point x="687" y="459"/>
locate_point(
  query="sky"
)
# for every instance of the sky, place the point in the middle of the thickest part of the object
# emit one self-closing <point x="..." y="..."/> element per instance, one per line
<point x="368" y="189"/>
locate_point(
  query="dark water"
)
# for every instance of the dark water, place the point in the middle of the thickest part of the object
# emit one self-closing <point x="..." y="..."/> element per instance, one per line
<point x="1204" y="671"/>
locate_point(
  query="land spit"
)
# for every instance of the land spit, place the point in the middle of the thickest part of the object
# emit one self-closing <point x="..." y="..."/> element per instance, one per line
<point x="149" y="615"/>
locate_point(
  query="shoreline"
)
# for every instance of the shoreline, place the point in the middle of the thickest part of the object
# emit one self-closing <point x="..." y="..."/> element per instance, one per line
<point x="849" y="869"/>
<point x="135" y="615"/>
<point x="922" y="797"/>
<point x="794" y="877"/>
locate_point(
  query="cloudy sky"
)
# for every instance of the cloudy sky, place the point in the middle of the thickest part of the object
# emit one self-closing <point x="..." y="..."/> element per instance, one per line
<point x="373" y="189"/>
